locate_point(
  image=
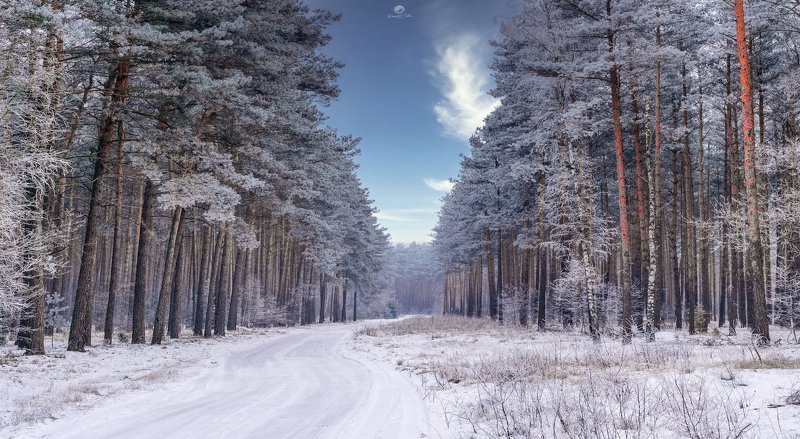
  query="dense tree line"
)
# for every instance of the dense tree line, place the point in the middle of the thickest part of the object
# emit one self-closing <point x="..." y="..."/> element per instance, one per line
<point x="412" y="277"/>
<point x="641" y="170"/>
<point x="165" y="163"/>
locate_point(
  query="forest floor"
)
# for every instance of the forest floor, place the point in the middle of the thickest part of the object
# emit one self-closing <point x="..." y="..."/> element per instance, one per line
<point x="495" y="381"/>
<point x="304" y="382"/>
<point x="419" y="377"/>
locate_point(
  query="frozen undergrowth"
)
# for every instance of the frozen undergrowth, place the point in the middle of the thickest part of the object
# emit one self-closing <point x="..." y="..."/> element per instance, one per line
<point x="498" y="381"/>
<point x="37" y="388"/>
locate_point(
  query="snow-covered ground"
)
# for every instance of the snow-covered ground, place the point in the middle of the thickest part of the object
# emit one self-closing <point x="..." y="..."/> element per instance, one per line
<point x="493" y="381"/>
<point x="419" y="377"/>
<point x="305" y="382"/>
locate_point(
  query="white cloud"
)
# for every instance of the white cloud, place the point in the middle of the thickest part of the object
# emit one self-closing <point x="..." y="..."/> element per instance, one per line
<point x="388" y="216"/>
<point x="439" y="185"/>
<point x="410" y="224"/>
<point x="411" y="215"/>
<point x="464" y="79"/>
<point x="419" y="209"/>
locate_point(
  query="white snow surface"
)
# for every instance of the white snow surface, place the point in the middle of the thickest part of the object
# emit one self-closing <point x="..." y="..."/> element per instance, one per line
<point x="490" y="381"/>
<point x="415" y="378"/>
<point x="307" y="382"/>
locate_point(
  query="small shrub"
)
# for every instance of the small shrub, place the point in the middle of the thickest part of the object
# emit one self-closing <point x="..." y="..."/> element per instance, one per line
<point x="794" y="397"/>
<point x="392" y="310"/>
<point x="9" y="359"/>
<point x="701" y="319"/>
<point x="369" y="331"/>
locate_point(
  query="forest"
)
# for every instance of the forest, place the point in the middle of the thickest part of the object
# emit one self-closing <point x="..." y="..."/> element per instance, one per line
<point x="641" y="172"/>
<point x="166" y="164"/>
<point x="187" y="246"/>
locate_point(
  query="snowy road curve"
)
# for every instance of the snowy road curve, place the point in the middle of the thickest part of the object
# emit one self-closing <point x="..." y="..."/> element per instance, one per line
<point x="307" y="383"/>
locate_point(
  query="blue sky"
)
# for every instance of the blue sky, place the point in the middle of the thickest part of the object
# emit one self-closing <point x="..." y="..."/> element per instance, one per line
<point x="414" y="89"/>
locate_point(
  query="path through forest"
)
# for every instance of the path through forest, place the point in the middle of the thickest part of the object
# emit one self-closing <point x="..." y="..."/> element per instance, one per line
<point x="309" y="383"/>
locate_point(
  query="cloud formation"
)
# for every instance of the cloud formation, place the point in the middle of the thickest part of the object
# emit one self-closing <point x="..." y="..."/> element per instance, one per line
<point x="412" y="215"/>
<point x="439" y="185"/>
<point x="388" y="216"/>
<point x="463" y="77"/>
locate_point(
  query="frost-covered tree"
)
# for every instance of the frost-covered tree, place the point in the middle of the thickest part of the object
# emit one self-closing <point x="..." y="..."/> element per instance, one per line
<point x="199" y="121"/>
<point x="30" y="107"/>
<point x="625" y="114"/>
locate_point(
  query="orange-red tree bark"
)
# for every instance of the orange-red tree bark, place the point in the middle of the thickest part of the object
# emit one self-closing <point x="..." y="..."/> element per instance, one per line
<point x="754" y="247"/>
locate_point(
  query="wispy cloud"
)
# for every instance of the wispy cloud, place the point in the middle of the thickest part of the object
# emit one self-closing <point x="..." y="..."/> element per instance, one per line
<point x="410" y="224"/>
<point x="419" y="209"/>
<point x="439" y="185"/>
<point x="410" y="215"/>
<point x="389" y="216"/>
<point x="463" y="78"/>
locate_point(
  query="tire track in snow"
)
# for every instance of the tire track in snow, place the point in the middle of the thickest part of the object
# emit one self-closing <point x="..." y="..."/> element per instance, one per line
<point x="307" y="383"/>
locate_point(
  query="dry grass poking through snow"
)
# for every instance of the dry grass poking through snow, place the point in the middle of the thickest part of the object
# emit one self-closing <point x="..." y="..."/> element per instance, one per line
<point x="436" y="327"/>
<point x="497" y="381"/>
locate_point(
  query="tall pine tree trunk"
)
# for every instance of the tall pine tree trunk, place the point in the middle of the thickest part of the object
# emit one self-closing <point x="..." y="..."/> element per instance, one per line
<point x="677" y="297"/>
<point x="542" y="277"/>
<point x="175" y="321"/>
<point x="166" y="278"/>
<point x="81" y="326"/>
<point x="616" y="109"/>
<point x="470" y="289"/>
<point x="117" y="253"/>
<point x="223" y="286"/>
<point x="239" y="273"/>
<point x="344" y="299"/>
<point x="487" y="236"/>
<point x="478" y="287"/>
<point x="30" y="335"/>
<point x="724" y="269"/>
<point x="499" y="274"/>
<point x="146" y="233"/>
<point x="690" y="244"/>
<point x="755" y="249"/>
<point x="208" y="325"/>
<point x="702" y="238"/>
<point x="323" y="289"/>
<point x="732" y="169"/>
<point x="201" y="287"/>
<point x="525" y="274"/>
<point x="335" y="308"/>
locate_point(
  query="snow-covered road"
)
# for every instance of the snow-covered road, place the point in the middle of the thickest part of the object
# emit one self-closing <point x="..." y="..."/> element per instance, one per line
<point x="307" y="383"/>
